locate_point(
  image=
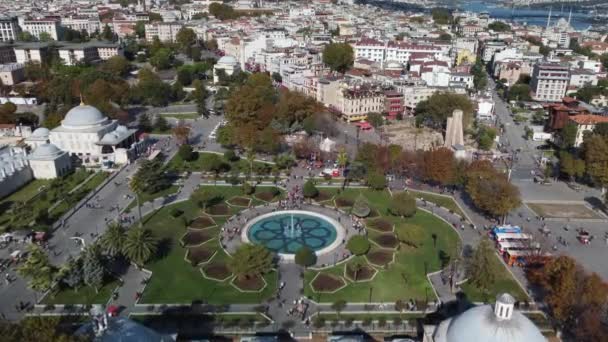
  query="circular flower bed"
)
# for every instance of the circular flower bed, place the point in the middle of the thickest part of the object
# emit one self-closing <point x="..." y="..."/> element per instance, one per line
<point x="324" y="282"/>
<point x="343" y="202"/>
<point x="255" y="283"/>
<point x="202" y="222"/>
<point x="195" y="238"/>
<point x="217" y="270"/>
<point x="386" y="240"/>
<point x="239" y="201"/>
<point x="380" y="257"/>
<point x="363" y="273"/>
<point x="198" y="255"/>
<point x="380" y="224"/>
<point x="219" y="210"/>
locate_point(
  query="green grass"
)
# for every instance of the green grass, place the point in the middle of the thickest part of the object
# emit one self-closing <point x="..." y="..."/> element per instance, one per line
<point x="84" y="295"/>
<point x="189" y="115"/>
<point x="55" y="191"/>
<point x="444" y="201"/>
<point x="504" y="283"/>
<point x="363" y="316"/>
<point x="145" y="197"/>
<point x="242" y="165"/>
<point x="174" y="280"/>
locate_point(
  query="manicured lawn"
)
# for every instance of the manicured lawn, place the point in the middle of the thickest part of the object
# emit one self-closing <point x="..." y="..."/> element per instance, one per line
<point x="176" y="281"/>
<point x="84" y="295"/>
<point x="145" y="197"/>
<point x="504" y="283"/>
<point x="55" y="190"/>
<point x="242" y="165"/>
<point x="444" y="201"/>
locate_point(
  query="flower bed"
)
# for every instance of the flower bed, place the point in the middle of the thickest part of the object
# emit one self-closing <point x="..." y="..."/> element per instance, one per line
<point x="239" y="201"/>
<point x="219" y="210"/>
<point x="323" y="196"/>
<point x="202" y="222"/>
<point x="198" y="255"/>
<point x="380" y="257"/>
<point x="265" y="195"/>
<point x="386" y="240"/>
<point x="380" y="224"/>
<point x="249" y="284"/>
<point x="217" y="270"/>
<point x="324" y="282"/>
<point x="366" y="272"/>
<point x="344" y="202"/>
<point x="195" y="238"/>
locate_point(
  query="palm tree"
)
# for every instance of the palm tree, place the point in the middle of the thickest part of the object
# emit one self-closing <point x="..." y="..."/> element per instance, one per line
<point x="140" y="245"/>
<point x="136" y="186"/>
<point x="342" y="160"/>
<point x="250" y="155"/>
<point x="113" y="240"/>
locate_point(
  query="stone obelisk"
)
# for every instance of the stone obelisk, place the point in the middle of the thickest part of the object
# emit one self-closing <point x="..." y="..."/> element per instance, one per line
<point x="453" y="133"/>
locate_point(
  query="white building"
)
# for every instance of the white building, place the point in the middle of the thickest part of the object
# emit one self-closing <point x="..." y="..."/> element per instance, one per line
<point x="11" y="74"/>
<point x="38" y="26"/>
<point x="550" y="81"/>
<point x="14" y="169"/>
<point x="485" y="109"/>
<point x="49" y="162"/>
<point x="72" y="54"/>
<point x="31" y="52"/>
<point x="88" y="134"/>
<point x="582" y="77"/>
<point x="228" y="64"/>
<point x="39" y="137"/>
<point x="379" y="51"/>
<point x="82" y="23"/>
<point x="9" y="29"/>
<point x="166" y="32"/>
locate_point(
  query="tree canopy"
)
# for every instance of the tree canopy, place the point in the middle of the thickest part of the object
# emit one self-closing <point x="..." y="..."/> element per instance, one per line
<point x="251" y="260"/>
<point x="499" y="26"/>
<point x="403" y="204"/>
<point x="483" y="267"/>
<point x="338" y="57"/>
<point x="490" y="190"/>
<point x="435" y="111"/>
<point x="519" y="92"/>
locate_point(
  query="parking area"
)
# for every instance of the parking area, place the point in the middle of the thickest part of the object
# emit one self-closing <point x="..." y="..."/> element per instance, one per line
<point x="564" y="210"/>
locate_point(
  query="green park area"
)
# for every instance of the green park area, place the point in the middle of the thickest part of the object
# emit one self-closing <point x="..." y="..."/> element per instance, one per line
<point x="83" y="295"/>
<point x="442" y="200"/>
<point x="391" y="270"/>
<point x="191" y="265"/>
<point x="217" y="163"/>
<point x="44" y="201"/>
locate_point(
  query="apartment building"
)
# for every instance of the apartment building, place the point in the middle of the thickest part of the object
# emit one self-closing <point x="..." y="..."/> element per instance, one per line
<point x="378" y="51"/>
<point x="82" y="23"/>
<point x="73" y="54"/>
<point x="9" y="29"/>
<point x="166" y="32"/>
<point x="31" y="52"/>
<point x="46" y="25"/>
<point x="585" y="123"/>
<point x="550" y="81"/>
<point x="7" y="54"/>
<point x="582" y="77"/>
<point x="358" y="101"/>
<point x="11" y="74"/>
<point x="393" y="104"/>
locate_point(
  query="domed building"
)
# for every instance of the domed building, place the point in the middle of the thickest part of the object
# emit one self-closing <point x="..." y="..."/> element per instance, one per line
<point x="49" y="162"/>
<point x="95" y="139"/>
<point x="228" y="64"/>
<point x="39" y="136"/>
<point x="486" y="323"/>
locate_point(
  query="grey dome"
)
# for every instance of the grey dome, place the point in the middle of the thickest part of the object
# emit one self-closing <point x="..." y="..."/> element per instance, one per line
<point x="46" y="151"/>
<point x="83" y="115"/>
<point x="41" y="132"/>
<point x="480" y="324"/>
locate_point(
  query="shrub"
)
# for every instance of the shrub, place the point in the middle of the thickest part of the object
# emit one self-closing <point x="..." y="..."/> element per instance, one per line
<point x="229" y="155"/>
<point x="310" y="190"/>
<point x="376" y="180"/>
<point x="361" y="207"/>
<point x="305" y="257"/>
<point x="248" y="188"/>
<point x="176" y="212"/>
<point x="358" y="245"/>
<point x="403" y="204"/>
<point x="186" y="153"/>
<point x="411" y="234"/>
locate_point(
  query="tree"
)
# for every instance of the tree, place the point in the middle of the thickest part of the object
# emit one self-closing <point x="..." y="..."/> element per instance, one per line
<point x="140" y="29"/>
<point x="93" y="270"/>
<point x="140" y="245"/>
<point x="567" y="135"/>
<point x="435" y="111"/>
<point x="310" y="190"/>
<point x="150" y="177"/>
<point x="519" y="92"/>
<point x="200" y="95"/>
<point x="499" y="26"/>
<point x="44" y="37"/>
<point x="161" y="124"/>
<point x="361" y="207"/>
<point x="162" y="59"/>
<point x="480" y="77"/>
<point x="186" y="153"/>
<point x="376" y="180"/>
<point x="37" y="269"/>
<point x="358" y="245"/>
<point x="251" y="260"/>
<point x="338" y="57"/>
<point x="231" y="156"/>
<point x="277" y="77"/>
<point x="36" y="328"/>
<point x="403" y="204"/>
<point x="184" y="75"/>
<point x="338" y="306"/>
<point x="144" y="123"/>
<point x="181" y="132"/>
<point x="538" y="117"/>
<point x="72" y="274"/>
<point x="411" y="234"/>
<point x="185" y="38"/>
<point x="222" y="11"/>
<point x="559" y="281"/>
<point x="342" y="158"/>
<point x="205" y="197"/>
<point x="305" y="257"/>
<point x="441" y="16"/>
<point x="438" y="166"/>
<point x="117" y="66"/>
<point x="485" y="137"/>
<point x="483" y="267"/>
<point x="107" y="33"/>
<point x="490" y="190"/>
<point x="375" y="119"/>
<point x="596" y="158"/>
<point x="112" y="240"/>
<point x="571" y="166"/>
<point x="25" y="36"/>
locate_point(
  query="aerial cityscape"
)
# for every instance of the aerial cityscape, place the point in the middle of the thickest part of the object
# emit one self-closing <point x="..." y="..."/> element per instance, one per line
<point x="322" y="170"/>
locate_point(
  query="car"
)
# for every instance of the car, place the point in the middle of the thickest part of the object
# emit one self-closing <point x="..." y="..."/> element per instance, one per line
<point x="574" y="186"/>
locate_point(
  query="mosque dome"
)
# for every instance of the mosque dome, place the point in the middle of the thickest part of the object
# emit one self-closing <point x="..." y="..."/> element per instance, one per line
<point x="46" y="151"/>
<point x="41" y="132"/>
<point x="228" y="60"/>
<point x="498" y="323"/>
<point x="83" y="116"/>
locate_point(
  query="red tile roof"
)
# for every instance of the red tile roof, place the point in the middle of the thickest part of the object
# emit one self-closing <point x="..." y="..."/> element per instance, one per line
<point x="589" y="119"/>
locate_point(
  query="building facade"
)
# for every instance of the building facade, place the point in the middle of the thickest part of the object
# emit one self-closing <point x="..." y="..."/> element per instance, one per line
<point x="9" y="29"/>
<point x="550" y="81"/>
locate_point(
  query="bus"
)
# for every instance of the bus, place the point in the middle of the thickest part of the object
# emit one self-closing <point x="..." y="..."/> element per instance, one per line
<point x="506" y="229"/>
<point x="502" y="237"/>
<point x="524" y="246"/>
<point x="520" y="258"/>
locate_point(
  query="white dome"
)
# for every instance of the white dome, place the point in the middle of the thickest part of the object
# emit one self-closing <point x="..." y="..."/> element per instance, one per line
<point x="229" y="60"/>
<point x="83" y="115"/>
<point x="480" y="324"/>
<point x="41" y="132"/>
<point x="46" y="151"/>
